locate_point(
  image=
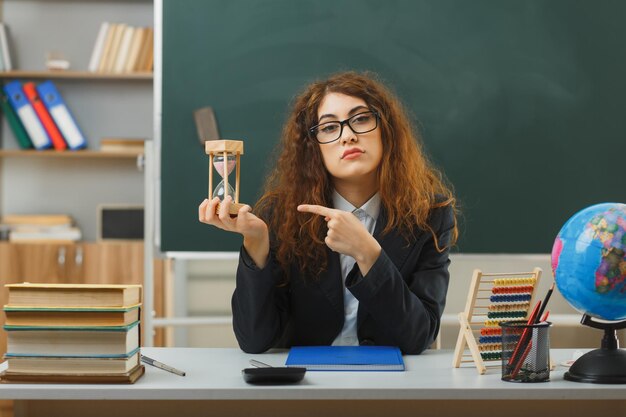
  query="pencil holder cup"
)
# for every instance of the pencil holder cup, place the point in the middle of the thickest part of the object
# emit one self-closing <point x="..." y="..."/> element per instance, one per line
<point x="525" y="351"/>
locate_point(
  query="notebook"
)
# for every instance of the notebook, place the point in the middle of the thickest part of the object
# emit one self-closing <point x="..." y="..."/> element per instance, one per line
<point x="346" y="358"/>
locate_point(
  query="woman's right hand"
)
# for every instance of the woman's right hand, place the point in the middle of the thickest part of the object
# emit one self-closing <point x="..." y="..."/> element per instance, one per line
<point x="254" y="230"/>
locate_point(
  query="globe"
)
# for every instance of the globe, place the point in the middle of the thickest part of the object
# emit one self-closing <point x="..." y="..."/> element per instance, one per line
<point x="589" y="261"/>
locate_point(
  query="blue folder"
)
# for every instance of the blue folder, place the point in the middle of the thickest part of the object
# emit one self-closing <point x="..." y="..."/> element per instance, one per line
<point x="61" y="115"/>
<point x="346" y="358"/>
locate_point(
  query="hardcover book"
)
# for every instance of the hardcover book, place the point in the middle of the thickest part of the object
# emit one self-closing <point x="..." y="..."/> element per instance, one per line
<point x="98" y="48"/>
<point x="346" y="358"/>
<point x="122" y="145"/>
<point x="114" y="378"/>
<point x="37" y="219"/>
<point x="71" y="366"/>
<point x="70" y="317"/>
<point x="45" y="234"/>
<point x="114" y="341"/>
<point x="73" y="295"/>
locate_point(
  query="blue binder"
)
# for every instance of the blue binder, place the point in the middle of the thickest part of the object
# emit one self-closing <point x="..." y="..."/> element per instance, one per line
<point x="61" y="115"/>
<point x="26" y="113"/>
<point x="346" y="358"/>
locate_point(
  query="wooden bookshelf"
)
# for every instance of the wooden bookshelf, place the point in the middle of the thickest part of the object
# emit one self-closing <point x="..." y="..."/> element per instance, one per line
<point x="81" y="154"/>
<point x="76" y="75"/>
<point x="104" y="105"/>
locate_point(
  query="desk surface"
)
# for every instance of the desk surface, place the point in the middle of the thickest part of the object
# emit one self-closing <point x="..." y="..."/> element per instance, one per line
<point x="215" y="374"/>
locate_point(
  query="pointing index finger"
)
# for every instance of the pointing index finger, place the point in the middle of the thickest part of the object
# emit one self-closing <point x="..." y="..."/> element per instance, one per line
<point x="315" y="209"/>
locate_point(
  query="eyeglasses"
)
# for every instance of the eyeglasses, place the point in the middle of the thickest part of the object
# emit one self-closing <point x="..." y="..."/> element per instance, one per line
<point x="359" y="123"/>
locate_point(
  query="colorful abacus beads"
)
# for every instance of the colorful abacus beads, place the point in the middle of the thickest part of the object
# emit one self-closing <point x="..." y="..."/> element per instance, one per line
<point x="490" y="331"/>
<point x="509" y="307"/>
<point x="513" y="290"/>
<point x="491" y="356"/>
<point x="490" y="339"/>
<point x="509" y="298"/>
<point x="515" y="281"/>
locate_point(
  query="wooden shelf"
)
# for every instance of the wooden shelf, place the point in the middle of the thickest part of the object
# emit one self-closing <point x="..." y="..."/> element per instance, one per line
<point x="86" y="154"/>
<point x="76" y="75"/>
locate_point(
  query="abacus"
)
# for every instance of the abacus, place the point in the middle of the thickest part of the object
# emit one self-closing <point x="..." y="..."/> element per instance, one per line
<point x="492" y="298"/>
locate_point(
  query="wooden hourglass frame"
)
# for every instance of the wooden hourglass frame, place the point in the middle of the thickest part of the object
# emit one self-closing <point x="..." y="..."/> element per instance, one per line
<point x="225" y="148"/>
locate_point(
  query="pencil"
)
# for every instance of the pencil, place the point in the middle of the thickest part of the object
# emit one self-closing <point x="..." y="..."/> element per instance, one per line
<point x="524" y="343"/>
<point x="524" y="337"/>
<point x="545" y="303"/>
<point x="513" y="374"/>
<point x="520" y="362"/>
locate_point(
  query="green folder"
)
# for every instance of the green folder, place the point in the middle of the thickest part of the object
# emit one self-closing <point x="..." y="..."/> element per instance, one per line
<point x="16" y="125"/>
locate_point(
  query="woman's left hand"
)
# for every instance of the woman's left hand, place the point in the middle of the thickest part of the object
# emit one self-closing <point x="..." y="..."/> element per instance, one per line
<point x="347" y="235"/>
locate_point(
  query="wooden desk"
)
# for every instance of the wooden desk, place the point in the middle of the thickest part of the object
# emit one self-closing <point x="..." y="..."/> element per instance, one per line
<point x="214" y="386"/>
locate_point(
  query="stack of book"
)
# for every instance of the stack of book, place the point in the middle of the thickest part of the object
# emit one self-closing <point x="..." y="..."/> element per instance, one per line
<point x="122" y="49"/>
<point x="35" y="228"/>
<point x="73" y="333"/>
<point x="39" y="118"/>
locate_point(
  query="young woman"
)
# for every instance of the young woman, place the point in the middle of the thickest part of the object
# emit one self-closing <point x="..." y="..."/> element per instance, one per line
<point x="349" y="243"/>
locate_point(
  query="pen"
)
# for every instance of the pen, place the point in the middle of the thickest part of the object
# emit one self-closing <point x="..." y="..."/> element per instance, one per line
<point x="259" y="364"/>
<point x="160" y="365"/>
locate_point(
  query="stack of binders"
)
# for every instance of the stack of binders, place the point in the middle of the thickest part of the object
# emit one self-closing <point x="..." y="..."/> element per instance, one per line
<point x="73" y="333"/>
<point x="39" y="117"/>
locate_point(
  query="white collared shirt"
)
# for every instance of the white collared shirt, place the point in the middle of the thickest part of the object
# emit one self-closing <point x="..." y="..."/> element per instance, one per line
<point x="367" y="215"/>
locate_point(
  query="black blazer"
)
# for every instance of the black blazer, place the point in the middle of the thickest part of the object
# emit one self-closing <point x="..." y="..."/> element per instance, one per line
<point x="401" y="299"/>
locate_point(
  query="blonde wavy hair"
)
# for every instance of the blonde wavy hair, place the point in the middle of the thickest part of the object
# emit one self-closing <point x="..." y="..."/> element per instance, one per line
<point x="409" y="186"/>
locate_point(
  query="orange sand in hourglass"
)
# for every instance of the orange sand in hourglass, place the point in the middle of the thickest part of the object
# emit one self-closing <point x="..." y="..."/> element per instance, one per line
<point x="229" y="151"/>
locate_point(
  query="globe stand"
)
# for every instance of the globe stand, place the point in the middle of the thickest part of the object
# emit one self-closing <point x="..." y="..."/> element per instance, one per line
<point x="606" y="365"/>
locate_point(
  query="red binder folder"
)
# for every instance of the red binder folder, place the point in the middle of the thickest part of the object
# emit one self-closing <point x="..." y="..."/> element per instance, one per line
<point x="46" y="120"/>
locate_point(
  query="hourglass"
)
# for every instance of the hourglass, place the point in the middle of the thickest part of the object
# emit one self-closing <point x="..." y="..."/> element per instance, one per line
<point x="224" y="157"/>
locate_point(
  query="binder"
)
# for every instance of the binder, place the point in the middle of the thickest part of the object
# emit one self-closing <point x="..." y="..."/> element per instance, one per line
<point x="346" y="358"/>
<point x="61" y="115"/>
<point x="26" y="114"/>
<point x="14" y="122"/>
<point x="44" y="117"/>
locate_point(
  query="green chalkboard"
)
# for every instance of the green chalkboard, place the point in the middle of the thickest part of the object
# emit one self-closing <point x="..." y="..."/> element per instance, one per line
<point x="521" y="103"/>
